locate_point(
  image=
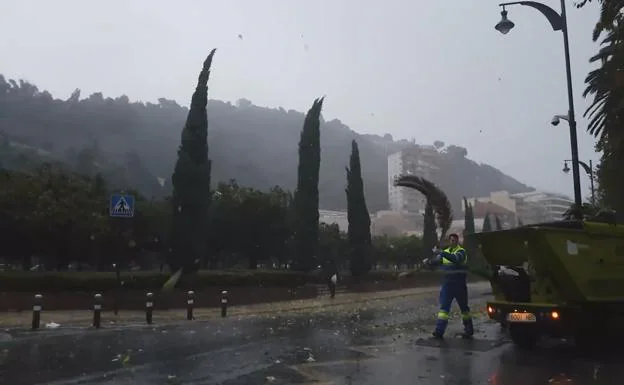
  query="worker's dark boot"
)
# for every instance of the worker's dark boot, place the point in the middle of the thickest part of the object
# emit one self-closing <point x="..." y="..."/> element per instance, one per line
<point x="437" y="335"/>
<point x="468" y="327"/>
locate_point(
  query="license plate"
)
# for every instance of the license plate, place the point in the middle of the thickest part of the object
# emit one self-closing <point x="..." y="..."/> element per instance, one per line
<point x="521" y="317"/>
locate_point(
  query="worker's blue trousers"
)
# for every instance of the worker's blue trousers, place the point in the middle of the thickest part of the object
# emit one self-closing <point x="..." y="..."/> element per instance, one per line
<point x="454" y="287"/>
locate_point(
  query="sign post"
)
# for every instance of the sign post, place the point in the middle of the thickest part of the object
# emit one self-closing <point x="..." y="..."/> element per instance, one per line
<point x="120" y="206"/>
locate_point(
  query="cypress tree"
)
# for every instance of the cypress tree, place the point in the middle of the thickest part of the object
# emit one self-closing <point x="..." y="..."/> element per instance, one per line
<point x="306" y="204"/>
<point x="359" y="234"/>
<point x="469" y="225"/>
<point x="487" y="224"/>
<point x="499" y="225"/>
<point x="430" y="235"/>
<point x="469" y="228"/>
<point x="191" y="180"/>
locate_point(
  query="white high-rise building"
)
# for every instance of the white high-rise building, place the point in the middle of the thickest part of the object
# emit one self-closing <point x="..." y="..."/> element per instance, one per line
<point x="416" y="160"/>
<point x="540" y="206"/>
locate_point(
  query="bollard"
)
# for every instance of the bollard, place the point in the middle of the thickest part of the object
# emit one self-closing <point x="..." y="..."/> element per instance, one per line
<point x="37" y="306"/>
<point x="224" y="303"/>
<point x="190" y="302"/>
<point x="149" y="307"/>
<point x="97" y="311"/>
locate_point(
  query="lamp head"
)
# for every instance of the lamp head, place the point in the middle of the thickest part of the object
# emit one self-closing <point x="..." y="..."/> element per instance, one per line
<point x="505" y="25"/>
<point x="566" y="169"/>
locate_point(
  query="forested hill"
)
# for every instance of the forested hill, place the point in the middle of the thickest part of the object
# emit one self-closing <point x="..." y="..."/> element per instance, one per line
<point x="134" y="143"/>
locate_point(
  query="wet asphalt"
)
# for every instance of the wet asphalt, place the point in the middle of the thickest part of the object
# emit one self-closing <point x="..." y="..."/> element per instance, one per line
<point x="383" y="343"/>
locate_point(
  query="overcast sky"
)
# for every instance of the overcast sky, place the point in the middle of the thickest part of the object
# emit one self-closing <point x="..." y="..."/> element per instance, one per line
<point x="429" y="70"/>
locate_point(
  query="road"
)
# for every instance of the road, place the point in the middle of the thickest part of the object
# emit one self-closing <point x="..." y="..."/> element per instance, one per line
<point x="373" y="343"/>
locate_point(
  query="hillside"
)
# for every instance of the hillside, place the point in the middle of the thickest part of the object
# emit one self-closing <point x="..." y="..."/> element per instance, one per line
<point x="137" y="142"/>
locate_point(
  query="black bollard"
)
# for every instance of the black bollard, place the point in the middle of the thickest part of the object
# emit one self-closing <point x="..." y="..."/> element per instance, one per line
<point x="224" y="303"/>
<point x="37" y="307"/>
<point x="190" y="302"/>
<point x="97" y="311"/>
<point x="149" y="307"/>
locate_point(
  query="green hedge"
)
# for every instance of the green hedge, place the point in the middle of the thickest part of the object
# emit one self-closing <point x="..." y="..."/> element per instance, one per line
<point x="103" y="281"/>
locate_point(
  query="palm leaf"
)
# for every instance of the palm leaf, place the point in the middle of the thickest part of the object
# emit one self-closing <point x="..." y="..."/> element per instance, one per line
<point x="172" y="281"/>
<point x="435" y="197"/>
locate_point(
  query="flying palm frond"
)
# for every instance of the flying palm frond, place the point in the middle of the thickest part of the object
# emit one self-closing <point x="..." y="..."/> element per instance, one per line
<point x="434" y="195"/>
<point x="172" y="281"/>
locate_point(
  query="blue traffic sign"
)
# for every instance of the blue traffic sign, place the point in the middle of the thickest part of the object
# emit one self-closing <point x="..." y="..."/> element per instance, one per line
<point x="122" y="206"/>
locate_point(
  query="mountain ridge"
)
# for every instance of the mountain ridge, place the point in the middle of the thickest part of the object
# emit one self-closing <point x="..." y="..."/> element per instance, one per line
<point x="255" y="145"/>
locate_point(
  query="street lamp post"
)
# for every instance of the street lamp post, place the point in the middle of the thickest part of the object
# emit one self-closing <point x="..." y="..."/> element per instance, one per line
<point x="558" y="22"/>
<point x="589" y="169"/>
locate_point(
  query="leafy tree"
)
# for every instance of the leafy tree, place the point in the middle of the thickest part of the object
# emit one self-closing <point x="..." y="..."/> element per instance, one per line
<point x="587" y="210"/>
<point x="191" y="180"/>
<point x="358" y="216"/>
<point x="487" y="224"/>
<point x="260" y="216"/>
<point x="333" y="247"/>
<point x="306" y="204"/>
<point x="430" y="235"/>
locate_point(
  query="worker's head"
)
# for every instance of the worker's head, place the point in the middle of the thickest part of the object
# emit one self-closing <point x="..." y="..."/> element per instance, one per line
<point x="454" y="239"/>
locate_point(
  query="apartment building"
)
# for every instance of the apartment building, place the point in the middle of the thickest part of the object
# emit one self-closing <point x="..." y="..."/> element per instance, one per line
<point x="531" y="207"/>
<point x="416" y="160"/>
<point x="541" y="206"/>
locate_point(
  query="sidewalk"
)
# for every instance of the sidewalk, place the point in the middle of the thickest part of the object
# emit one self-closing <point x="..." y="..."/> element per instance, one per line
<point x="84" y="318"/>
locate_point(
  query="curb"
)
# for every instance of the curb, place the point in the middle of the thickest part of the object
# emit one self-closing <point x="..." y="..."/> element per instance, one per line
<point x="210" y="314"/>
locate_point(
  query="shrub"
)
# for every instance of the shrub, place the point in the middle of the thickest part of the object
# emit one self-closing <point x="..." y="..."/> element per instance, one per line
<point x="105" y="281"/>
<point x="47" y="282"/>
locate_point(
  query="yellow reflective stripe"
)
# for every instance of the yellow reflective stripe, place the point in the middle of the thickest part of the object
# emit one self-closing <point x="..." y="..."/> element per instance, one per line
<point x="443" y="315"/>
<point x="453" y="251"/>
<point x="466" y="316"/>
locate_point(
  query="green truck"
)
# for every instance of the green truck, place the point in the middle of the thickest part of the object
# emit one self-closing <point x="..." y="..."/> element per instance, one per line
<point x="561" y="279"/>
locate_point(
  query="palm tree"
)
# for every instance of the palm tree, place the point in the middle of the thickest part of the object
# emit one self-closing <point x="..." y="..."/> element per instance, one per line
<point x="606" y="84"/>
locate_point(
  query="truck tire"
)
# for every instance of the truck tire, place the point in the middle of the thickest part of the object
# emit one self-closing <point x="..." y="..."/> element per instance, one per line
<point x="524" y="336"/>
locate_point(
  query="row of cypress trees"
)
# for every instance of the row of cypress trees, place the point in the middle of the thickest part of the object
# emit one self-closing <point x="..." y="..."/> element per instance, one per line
<point x="192" y="195"/>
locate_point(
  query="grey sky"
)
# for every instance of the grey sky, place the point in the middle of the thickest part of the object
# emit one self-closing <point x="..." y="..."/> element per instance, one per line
<point x="423" y="69"/>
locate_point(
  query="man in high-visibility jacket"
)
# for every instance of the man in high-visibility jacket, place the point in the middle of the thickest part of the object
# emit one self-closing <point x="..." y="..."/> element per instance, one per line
<point x="453" y="262"/>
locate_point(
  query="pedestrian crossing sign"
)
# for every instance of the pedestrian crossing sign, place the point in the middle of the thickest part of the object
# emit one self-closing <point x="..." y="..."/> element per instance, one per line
<point x="122" y="206"/>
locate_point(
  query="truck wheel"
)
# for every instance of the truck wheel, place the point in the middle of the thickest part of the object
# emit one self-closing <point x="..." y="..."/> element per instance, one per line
<point x="523" y="336"/>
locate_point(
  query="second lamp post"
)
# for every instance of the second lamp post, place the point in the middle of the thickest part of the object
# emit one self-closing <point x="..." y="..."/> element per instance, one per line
<point x="589" y="169"/>
<point x="558" y="22"/>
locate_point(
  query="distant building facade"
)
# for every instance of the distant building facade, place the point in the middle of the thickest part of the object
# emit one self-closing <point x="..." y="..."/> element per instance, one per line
<point x="527" y="208"/>
<point x="415" y="160"/>
<point x="541" y="206"/>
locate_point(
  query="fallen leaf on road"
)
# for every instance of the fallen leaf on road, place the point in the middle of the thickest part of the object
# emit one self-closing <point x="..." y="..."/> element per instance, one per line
<point x="52" y="325"/>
